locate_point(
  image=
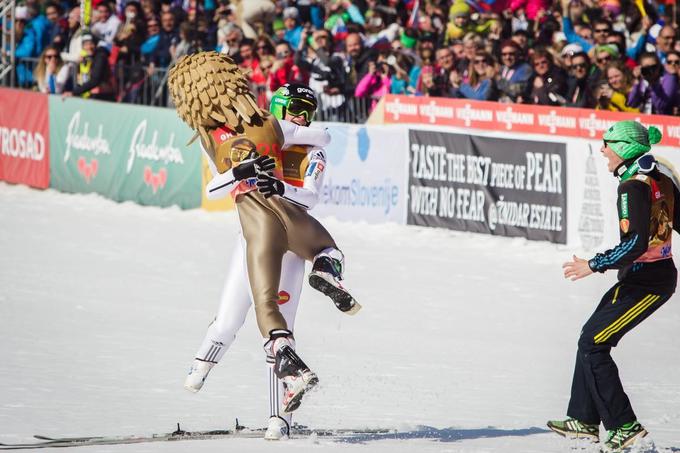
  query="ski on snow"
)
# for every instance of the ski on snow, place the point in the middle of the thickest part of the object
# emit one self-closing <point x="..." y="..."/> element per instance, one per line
<point x="179" y="434"/>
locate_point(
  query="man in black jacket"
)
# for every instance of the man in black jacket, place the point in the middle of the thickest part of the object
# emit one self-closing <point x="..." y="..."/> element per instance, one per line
<point x="94" y="74"/>
<point x="648" y="210"/>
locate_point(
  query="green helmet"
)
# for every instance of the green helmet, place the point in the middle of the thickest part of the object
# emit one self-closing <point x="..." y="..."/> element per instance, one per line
<point x="630" y="139"/>
<point x="295" y="99"/>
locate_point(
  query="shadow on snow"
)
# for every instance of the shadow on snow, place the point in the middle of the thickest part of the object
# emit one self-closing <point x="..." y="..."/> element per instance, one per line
<point x="443" y="435"/>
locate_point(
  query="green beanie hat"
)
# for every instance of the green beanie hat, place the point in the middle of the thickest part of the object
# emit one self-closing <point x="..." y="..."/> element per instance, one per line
<point x="630" y="139"/>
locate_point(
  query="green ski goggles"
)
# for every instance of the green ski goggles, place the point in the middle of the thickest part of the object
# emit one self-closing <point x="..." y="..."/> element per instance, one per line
<point x="301" y="107"/>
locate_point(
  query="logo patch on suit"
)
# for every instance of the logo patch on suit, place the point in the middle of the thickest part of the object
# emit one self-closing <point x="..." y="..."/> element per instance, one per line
<point x="283" y="297"/>
<point x="315" y="169"/>
<point x="625" y="225"/>
<point x="624" y="205"/>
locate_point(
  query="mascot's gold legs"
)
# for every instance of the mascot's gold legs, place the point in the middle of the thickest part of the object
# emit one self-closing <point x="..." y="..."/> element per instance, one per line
<point x="271" y="227"/>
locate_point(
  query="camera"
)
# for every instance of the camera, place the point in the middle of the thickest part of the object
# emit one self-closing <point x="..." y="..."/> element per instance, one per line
<point x="649" y="71"/>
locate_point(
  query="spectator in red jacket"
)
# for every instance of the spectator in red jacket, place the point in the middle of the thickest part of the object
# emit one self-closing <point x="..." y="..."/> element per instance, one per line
<point x="284" y="69"/>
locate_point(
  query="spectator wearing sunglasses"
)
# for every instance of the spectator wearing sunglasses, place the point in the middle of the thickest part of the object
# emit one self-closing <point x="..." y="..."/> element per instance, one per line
<point x="672" y="68"/>
<point x="654" y="91"/>
<point x="601" y="55"/>
<point x="579" y="91"/>
<point x="480" y="85"/>
<point x="514" y="72"/>
<point x="50" y="74"/>
<point x="264" y="47"/>
<point x="548" y="84"/>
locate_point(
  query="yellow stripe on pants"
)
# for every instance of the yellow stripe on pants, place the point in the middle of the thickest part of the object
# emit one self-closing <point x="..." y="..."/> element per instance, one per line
<point x="626" y="318"/>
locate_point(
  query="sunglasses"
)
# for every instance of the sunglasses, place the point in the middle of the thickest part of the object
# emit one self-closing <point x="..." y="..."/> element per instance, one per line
<point x="480" y="62"/>
<point x="578" y="66"/>
<point x="666" y="36"/>
<point x="604" y="59"/>
<point x="541" y="63"/>
<point x="301" y="107"/>
<point x="51" y="56"/>
<point x="508" y="54"/>
<point x="602" y="30"/>
<point x="673" y="62"/>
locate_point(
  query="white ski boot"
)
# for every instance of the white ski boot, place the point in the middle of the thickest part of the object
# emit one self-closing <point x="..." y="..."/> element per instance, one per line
<point x="296" y="376"/>
<point x="277" y="429"/>
<point x="326" y="275"/>
<point x="197" y="375"/>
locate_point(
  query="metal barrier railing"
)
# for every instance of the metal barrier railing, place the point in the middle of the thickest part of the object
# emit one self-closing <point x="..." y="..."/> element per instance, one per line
<point x="147" y="85"/>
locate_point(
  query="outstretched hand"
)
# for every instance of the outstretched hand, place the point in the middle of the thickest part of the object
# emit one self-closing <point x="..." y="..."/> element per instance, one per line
<point x="576" y="269"/>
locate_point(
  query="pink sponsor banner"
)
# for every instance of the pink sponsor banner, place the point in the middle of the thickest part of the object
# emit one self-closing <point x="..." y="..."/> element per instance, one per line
<point x="532" y="119"/>
<point x="24" y="138"/>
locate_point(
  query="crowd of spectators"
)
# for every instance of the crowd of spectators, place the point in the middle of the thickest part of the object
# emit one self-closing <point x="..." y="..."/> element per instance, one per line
<point x="618" y="55"/>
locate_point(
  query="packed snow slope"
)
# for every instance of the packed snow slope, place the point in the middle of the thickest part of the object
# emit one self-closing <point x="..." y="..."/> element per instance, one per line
<point x="465" y="343"/>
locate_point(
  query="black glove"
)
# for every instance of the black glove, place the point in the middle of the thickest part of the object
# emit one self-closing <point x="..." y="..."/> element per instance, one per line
<point x="268" y="185"/>
<point x="250" y="169"/>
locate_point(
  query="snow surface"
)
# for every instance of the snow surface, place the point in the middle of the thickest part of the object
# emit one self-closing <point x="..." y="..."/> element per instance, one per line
<point x="102" y="306"/>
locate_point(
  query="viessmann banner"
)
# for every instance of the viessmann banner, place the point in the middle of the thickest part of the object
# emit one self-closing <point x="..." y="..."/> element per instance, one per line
<point x="124" y="153"/>
<point x="488" y="185"/>
<point x="525" y="119"/>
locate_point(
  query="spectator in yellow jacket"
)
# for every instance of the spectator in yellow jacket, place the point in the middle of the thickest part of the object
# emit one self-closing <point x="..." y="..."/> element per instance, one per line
<point x="612" y="92"/>
<point x="460" y="23"/>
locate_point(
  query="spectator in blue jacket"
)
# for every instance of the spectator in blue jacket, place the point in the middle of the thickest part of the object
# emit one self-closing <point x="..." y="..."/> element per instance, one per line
<point x="514" y="73"/>
<point x="480" y="85"/>
<point x="293" y="29"/>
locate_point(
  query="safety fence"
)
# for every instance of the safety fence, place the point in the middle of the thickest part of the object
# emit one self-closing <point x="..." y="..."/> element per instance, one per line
<point x="147" y="85"/>
<point x="463" y="166"/>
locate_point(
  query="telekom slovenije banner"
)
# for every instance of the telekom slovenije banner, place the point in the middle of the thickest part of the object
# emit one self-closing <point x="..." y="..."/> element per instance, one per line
<point x="24" y="138"/>
<point x="518" y="118"/>
<point x="123" y="152"/>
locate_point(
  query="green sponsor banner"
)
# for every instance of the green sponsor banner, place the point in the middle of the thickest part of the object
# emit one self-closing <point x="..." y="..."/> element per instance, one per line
<point x="124" y="152"/>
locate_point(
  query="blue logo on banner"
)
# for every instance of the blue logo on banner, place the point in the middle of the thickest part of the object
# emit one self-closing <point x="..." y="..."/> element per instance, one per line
<point x="363" y="144"/>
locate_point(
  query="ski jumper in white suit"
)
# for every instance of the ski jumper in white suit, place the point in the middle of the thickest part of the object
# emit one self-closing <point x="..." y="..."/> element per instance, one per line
<point x="304" y="168"/>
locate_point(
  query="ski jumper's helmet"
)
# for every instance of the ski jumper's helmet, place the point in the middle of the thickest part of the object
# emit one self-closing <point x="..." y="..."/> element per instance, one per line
<point x="296" y="99"/>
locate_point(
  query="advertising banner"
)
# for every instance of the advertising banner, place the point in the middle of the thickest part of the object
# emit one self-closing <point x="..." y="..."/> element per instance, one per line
<point x="365" y="177"/>
<point x="24" y="138"/>
<point x="488" y="185"/>
<point x="123" y="152"/>
<point x="531" y="119"/>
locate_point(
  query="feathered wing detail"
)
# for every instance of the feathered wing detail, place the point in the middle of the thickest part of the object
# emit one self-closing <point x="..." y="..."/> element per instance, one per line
<point x="209" y="90"/>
